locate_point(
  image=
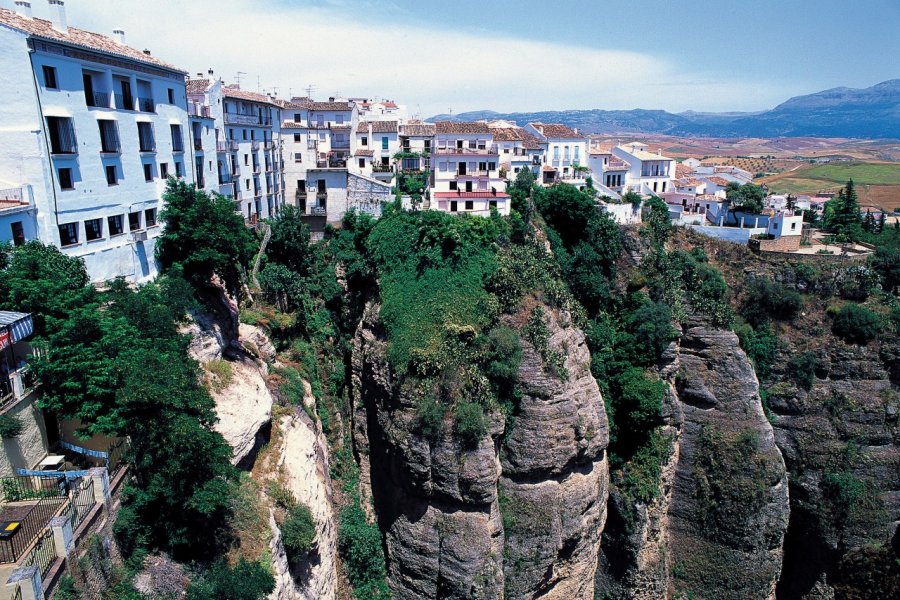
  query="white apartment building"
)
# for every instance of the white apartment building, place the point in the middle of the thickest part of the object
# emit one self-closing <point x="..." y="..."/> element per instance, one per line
<point x="565" y="154"/>
<point x="252" y="132"/>
<point x="648" y="173"/>
<point x="517" y="148"/>
<point x="467" y="170"/>
<point x="416" y="137"/>
<point x="91" y="129"/>
<point x="379" y="110"/>
<point x="376" y="144"/>
<point x="610" y="172"/>
<point x="205" y="135"/>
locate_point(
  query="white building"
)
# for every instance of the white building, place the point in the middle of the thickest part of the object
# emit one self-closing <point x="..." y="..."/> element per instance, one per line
<point x="416" y="137"/>
<point x="565" y="154"/>
<point x="610" y="171"/>
<point x="376" y="144"/>
<point x="517" y="148"/>
<point x="467" y="170"/>
<point x="91" y="128"/>
<point x="648" y="173"/>
<point x="785" y="223"/>
<point x="211" y="173"/>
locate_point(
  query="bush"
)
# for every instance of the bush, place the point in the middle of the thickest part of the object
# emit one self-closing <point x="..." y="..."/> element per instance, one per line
<point x="244" y="581"/>
<point x="760" y="344"/>
<point x="471" y="426"/>
<point x="803" y="368"/>
<point x="10" y="426"/>
<point x="360" y="544"/>
<point x="430" y="415"/>
<point x="298" y="532"/>
<point x="652" y="331"/>
<point x="856" y="324"/>
<point x="767" y="299"/>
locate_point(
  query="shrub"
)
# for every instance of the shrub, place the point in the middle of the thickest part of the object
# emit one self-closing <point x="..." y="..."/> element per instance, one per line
<point x="10" y="426"/>
<point x="360" y="544"/>
<point x="760" y="344"/>
<point x="856" y="324"/>
<point x="298" y="532"/>
<point x="244" y="581"/>
<point x="767" y="299"/>
<point x="652" y="331"/>
<point x="430" y="415"/>
<point x="803" y="369"/>
<point x="220" y="374"/>
<point x="471" y="425"/>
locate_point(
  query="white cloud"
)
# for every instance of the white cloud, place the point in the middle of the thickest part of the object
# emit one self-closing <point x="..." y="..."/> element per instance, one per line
<point x="355" y="49"/>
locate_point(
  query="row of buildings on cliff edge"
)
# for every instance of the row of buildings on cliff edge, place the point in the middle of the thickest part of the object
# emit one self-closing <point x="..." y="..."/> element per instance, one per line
<point x="92" y="129"/>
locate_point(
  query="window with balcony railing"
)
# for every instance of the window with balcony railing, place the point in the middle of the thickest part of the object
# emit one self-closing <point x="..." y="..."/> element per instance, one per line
<point x="146" y="140"/>
<point x="177" y="139"/>
<point x="61" y="131"/>
<point x="109" y="136"/>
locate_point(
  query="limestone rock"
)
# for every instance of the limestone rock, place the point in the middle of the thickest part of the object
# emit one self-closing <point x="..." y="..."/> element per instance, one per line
<point x="244" y="409"/>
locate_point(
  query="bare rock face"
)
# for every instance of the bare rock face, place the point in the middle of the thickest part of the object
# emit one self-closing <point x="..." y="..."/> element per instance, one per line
<point x="303" y="466"/>
<point x="555" y="474"/>
<point x="208" y="338"/>
<point x="244" y="409"/>
<point x="256" y="343"/>
<point x="729" y="508"/>
<point x="444" y="507"/>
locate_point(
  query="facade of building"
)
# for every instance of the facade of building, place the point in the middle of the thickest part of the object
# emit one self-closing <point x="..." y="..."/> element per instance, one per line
<point x="467" y="170"/>
<point x="377" y="142"/>
<point x="565" y="154"/>
<point x="92" y="127"/>
<point x="648" y="173"/>
<point x="416" y="137"/>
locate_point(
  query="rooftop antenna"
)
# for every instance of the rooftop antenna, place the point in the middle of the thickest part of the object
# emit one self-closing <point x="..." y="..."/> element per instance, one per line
<point x="238" y="77"/>
<point x="309" y="90"/>
<point x="257" y="83"/>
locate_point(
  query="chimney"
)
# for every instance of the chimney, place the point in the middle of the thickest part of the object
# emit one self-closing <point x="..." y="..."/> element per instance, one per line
<point x="119" y="36"/>
<point x="23" y="9"/>
<point x="58" y="15"/>
<point x="199" y="75"/>
<point x="210" y="72"/>
<point x="147" y="51"/>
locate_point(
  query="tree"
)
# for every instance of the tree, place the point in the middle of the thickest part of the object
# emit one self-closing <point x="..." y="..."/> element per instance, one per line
<point x="203" y="236"/>
<point x="842" y="215"/>
<point x="289" y="243"/>
<point x="244" y="581"/>
<point x="749" y="198"/>
<point x="658" y="221"/>
<point x="856" y="324"/>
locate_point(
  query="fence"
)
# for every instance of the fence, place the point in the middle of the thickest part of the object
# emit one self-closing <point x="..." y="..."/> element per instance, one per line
<point x="32" y="522"/>
<point x="43" y="554"/>
<point x="17" y="595"/>
<point x="82" y="501"/>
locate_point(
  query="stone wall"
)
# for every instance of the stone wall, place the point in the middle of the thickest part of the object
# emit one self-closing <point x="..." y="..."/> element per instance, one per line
<point x="366" y="195"/>
<point x="785" y="243"/>
<point x="26" y="449"/>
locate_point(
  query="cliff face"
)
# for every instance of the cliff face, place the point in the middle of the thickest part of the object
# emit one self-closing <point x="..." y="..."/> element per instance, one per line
<point x="481" y="522"/>
<point x="717" y="524"/>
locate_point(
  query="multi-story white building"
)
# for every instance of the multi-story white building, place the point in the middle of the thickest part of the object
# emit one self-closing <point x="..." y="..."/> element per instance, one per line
<point x="648" y="173"/>
<point x="376" y="144"/>
<point x="416" y="137"/>
<point x="565" y="153"/>
<point x="467" y="170"/>
<point x="517" y="148"/>
<point x="205" y="133"/>
<point x="91" y="128"/>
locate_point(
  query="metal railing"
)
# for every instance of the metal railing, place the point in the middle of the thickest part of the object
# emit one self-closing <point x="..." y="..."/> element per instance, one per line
<point x="124" y="102"/>
<point x="269" y="145"/>
<point x="318" y="211"/>
<point x="99" y="100"/>
<point x="50" y="494"/>
<point x="11" y="194"/>
<point x="254" y="145"/>
<point x="376" y="168"/>
<point x="43" y="554"/>
<point x="466" y="150"/>
<point x="17" y="595"/>
<point x="146" y="105"/>
<point x="242" y="119"/>
<point x="83" y="500"/>
<point x="198" y="110"/>
<point x="198" y="144"/>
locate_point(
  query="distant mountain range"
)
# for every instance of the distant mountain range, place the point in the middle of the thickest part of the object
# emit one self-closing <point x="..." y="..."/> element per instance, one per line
<point x="873" y="112"/>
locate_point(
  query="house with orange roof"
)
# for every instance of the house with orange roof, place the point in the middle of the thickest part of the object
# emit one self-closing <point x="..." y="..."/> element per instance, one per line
<point x="565" y="153"/>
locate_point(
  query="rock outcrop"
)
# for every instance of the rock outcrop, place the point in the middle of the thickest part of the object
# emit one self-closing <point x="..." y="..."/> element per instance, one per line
<point x="460" y="522"/>
<point x="244" y="408"/>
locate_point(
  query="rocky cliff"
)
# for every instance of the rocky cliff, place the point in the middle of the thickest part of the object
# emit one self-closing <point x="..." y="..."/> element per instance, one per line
<point x="519" y="518"/>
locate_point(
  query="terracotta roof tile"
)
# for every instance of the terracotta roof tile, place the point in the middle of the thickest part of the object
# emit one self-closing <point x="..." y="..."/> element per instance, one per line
<point x="720" y="181"/>
<point x="508" y="134"/>
<point x="197" y="86"/>
<point x="683" y="170"/>
<point x="40" y="28"/>
<point x="530" y="142"/>
<point x="384" y="126"/>
<point x="364" y="153"/>
<point x="239" y="94"/>
<point x="556" y="130"/>
<point x="417" y="129"/>
<point x="460" y="127"/>
<point x="348" y="106"/>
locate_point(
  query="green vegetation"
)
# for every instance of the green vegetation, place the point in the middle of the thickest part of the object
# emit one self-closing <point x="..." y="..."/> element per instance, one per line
<point x="203" y="237"/>
<point x="219" y="374"/>
<point x="748" y="198"/>
<point x="767" y="300"/>
<point x="298" y="532"/>
<point x="803" y="368"/>
<point x="760" y="344"/>
<point x="841" y="215"/>
<point x="864" y="173"/>
<point x="244" y="581"/>
<point x="10" y="426"/>
<point x="856" y="324"/>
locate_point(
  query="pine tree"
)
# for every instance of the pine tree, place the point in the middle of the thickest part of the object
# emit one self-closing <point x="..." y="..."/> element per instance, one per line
<point x="842" y="217"/>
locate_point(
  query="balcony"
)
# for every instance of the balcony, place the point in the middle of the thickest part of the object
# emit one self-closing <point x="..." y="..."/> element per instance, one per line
<point x="98" y="100"/>
<point x="199" y="110"/>
<point x="269" y="145"/>
<point x="332" y="163"/>
<point x="124" y="102"/>
<point x="256" y="170"/>
<point x="470" y="151"/>
<point x="474" y="174"/>
<point x="376" y="168"/>
<point x="328" y="125"/>
<point x="232" y="118"/>
<point x="318" y="211"/>
<point x="198" y="144"/>
<point x="340" y="144"/>
<point x="146" y="105"/>
<point x="254" y="145"/>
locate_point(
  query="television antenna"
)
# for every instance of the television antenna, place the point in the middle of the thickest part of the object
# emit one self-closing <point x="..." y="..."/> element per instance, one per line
<point x="309" y="90"/>
<point x="238" y="77"/>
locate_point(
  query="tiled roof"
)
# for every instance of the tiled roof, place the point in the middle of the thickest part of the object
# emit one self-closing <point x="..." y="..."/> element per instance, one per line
<point x="384" y="126"/>
<point x="239" y="94"/>
<point x="197" y="86"/>
<point x="687" y="182"/>
<point x="556" y="130"/>
<point x="599" y="149"/>
<point x="720" y="181"/>
<point x="460" y="127"/>
<point x="683" y="170"/>
<point x="78" y="37"/>
<point x="417" y="129"/>
<point x="292" y="125"/>
<point x="616" y="164"/>
<point x="642" y="154"/>
<point x="364" y="153"/>
<point x="508" y="134"/>
<point x="330" y="106"/>
<point x="710" y="198"/>
<point x="530" y="142"/>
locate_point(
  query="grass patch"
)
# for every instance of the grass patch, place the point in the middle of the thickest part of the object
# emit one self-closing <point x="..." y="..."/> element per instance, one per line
<point x="219" y="374"/>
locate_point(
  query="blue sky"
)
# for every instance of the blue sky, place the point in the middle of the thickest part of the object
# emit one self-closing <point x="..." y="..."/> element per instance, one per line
<point x="524" y="55"/>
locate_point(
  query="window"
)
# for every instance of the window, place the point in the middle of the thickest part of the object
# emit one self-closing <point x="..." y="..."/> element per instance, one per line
<point x="298" y="137"/>
<point x="114" y="224"/>
<point x="109" y="136"/>
<point x="470" y="204"/>
<point x="246" y="160"/>
<point x="179" y="170"/>
<point x="50" y="78"/>
<point x="89" y="98"/>
<point x="111" y="177"/>
<point x="171" y="96"/>
<point x="134" y="221"/>
<point x="793" y="226"/>
<point x="362" y="163"/>
<point x="453" y="206"/>
<point x="298" y="157"/>
<point x="339" y="119"/>
<point x="384" y="143"/>
<point x="453" y="185"/>
<point x="245" y="134"/>
<point x="62" y="135"/>
<point x="148" y="172"/>
<point x="364" y="141"/>
<point x="146" y="140"/>
<point x="18" y="233"/>
<point x="492" y="166"/>
<point x="482" y="166"/>
<point x="68" y="234"/>
<point x="177" y="139"/>
<point x="93" y="229"/>
<point x="65" y="179"/>
<point x="492" y="204"/>
<point x="150" y="217"/>
<point x="163" y="170"/>
<point x="298" y="118"/>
